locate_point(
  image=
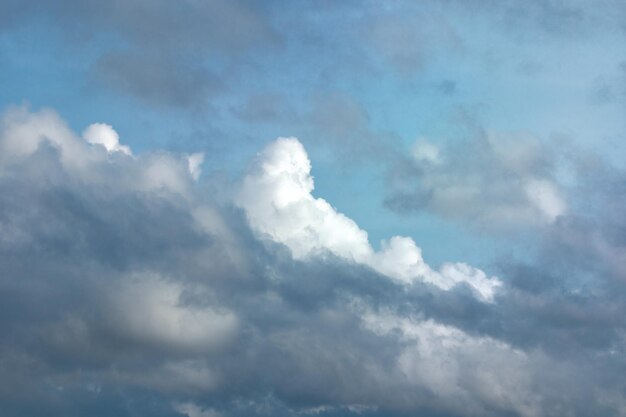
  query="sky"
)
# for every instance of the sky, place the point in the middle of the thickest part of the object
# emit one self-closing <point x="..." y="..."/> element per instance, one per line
<point x="229" y="208"/>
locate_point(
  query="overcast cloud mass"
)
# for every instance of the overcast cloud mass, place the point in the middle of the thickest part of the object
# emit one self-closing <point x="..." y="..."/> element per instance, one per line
<point x="264" y="208"/>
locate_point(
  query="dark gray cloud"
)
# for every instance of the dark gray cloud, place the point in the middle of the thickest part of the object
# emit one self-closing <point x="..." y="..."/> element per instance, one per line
<point x="127" y="288"/>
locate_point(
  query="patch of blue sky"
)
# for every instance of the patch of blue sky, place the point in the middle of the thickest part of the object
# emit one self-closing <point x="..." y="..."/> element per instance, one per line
<point x="536" y="83"/>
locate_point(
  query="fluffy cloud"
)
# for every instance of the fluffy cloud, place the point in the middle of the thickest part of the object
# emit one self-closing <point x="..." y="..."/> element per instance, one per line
<point x="103" y="134"/>
<point x="127" y="289"/>
<point x="448" y="363"/>
<point x="276" y="196"/>
<point x="29" y="132"/>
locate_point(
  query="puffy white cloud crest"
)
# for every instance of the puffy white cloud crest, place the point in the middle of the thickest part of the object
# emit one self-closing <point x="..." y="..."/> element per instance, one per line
<point x="23" y="133"/>
<point x="276" y="196"/>
<point x="104" y="134"/>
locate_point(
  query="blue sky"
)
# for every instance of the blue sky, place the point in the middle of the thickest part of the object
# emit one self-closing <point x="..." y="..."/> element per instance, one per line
<point x="422" y="200"/>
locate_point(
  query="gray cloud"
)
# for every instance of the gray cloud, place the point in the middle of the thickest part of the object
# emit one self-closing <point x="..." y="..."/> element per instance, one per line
<point x="157" y="78"/>
<point x="341" y="121"/>
<point x="566" y="295"/>
<point x="164" y="54"/>
<point x="187" y="55"/>
<point x="127" y="288"/>
<point x="491" y="180"/>
<point x="266" y="108"/>
<point x="409" y="37"/>
<point x="190" y="62"/>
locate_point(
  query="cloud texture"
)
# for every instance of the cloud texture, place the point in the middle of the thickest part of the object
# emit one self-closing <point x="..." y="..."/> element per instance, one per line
<point x="443" y="235"/>
<point x="129" y="288"/>
<point x="493" y="180"/>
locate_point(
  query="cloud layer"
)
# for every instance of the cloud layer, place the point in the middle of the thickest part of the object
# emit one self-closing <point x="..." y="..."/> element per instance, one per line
<point x="468" y="257"/>
<point x="129" y="288"/>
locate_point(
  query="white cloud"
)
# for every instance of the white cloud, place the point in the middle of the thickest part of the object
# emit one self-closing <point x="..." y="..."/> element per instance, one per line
<point x="152" y="309"/>
<point x="276" y="196"/>
<point x="424" y="151"/>
<point x="23" y="133"/>
<point x="161" y="171"/>
<point x="104" y="134"/>
<point x="278" y="202"/>
<point x="453" y="365"/>
<point x="194" y="162"/>
<point x="545" y="197"/>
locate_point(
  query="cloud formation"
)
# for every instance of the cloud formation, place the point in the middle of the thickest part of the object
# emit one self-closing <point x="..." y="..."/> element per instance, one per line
<point x="494" y="180"/>
<point x="128" y="289"/>
<point x="103" y="134"/>
<point x="184" y="277"/>
<point x="276" y="196"/>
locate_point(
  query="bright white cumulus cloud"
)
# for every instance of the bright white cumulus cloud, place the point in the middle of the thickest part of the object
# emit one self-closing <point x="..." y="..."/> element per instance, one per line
<point x="277" y="198"/>
<point x="22" y="134"/>
<point x="104" y="134"/>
